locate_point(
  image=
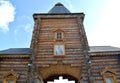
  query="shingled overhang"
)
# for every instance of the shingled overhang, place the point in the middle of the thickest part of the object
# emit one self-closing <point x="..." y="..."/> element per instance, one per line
<point x="104" y="50"/>
<point x="16" y="52"/>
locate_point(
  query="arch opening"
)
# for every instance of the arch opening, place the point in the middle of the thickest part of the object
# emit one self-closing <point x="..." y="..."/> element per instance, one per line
<point x="61" y="79"/>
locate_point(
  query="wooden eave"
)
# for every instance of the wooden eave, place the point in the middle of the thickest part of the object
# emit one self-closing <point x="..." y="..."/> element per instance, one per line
<point x="15" y="55"/>
<point x="66" y="15"/>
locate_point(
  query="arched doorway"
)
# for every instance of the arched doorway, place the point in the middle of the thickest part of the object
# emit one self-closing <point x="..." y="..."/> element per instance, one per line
<point x="61" y="78"/>
<point x="65" y="70"/>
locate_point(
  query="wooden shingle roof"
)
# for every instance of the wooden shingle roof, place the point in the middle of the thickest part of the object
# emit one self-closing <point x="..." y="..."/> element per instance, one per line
<point x="103" y="49"/>
<point x="16" y="51"/>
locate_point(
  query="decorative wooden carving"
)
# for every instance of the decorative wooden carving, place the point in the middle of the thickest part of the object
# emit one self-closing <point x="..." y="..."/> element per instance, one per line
<point x="10" y="76"/>
<point x="108" y="75"/>
<point x="60" y="69"/>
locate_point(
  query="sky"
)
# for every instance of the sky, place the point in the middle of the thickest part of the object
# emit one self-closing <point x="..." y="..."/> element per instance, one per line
<point x="101" y="21"/>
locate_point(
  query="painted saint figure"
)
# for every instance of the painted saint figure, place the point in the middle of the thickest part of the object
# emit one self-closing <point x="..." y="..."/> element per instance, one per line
<point x="59" y="50"/>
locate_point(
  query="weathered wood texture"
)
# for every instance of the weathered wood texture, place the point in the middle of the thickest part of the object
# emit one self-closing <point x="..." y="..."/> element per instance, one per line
<point x="99" y="62"/>
<point x="17" y="64"/>
<point x="72" y="40"/>
<point x="45" y="45"/>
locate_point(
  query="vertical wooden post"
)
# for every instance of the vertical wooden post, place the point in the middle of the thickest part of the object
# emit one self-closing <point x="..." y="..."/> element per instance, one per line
<point x="31" y="66"/>
<point x="85" y="49"/>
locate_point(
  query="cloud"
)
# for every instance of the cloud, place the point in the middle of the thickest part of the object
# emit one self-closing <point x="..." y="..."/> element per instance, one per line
<point x="27" y="24"/>
<point x="7" y="15"/>
<point x="23" y="28"/>
<point x="28" y="27"/>
<point x="107" y="30"/>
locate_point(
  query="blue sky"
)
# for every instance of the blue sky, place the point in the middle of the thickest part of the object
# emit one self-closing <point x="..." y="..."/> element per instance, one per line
<point x="101" y="20"/>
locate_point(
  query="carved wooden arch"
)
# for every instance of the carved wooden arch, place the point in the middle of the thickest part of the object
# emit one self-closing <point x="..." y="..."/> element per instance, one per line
<point x="107" y="69"/>
<point x="10" y="76"/>
<point x="61" y="69"/>
<point x="58" y="30"/>
<point x="111" y="74"/>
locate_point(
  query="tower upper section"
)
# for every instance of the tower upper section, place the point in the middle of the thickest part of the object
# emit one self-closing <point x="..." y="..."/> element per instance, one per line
<point x="69" y="27"/>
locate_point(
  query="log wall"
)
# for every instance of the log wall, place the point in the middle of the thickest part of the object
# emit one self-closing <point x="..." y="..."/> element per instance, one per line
<point x="99" y="62"/>
<point x="72" y="40"/>
<point x="45" y="45"/>
<point x="16" y="63"/>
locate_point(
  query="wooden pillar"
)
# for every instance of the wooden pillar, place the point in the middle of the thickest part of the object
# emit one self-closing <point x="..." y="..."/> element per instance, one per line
<point x="31" y="77"/>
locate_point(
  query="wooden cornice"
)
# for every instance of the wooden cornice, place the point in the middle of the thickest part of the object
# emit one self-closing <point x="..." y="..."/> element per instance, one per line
<point x="14" y="56"/>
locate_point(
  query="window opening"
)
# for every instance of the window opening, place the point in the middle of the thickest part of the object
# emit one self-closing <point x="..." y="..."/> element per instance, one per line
<point x="59" y="35"/>
<point x="109" y="80"/>
<point x="11" y="82"/>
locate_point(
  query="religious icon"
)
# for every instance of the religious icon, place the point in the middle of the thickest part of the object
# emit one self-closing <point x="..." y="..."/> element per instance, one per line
<point x="10" y="81"/>
<point x="59" y="49"/>
<point x="109" y="80"/>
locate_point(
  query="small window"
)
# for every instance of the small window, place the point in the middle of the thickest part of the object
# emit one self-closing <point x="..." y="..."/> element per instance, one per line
<point x="11" y="82"/>
<point x="109" y="80"/>
<point x="59" y="50"/>
<point x="59" y="35"/>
